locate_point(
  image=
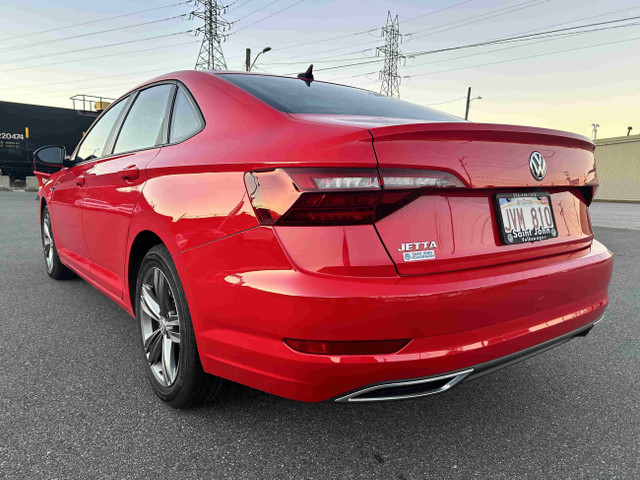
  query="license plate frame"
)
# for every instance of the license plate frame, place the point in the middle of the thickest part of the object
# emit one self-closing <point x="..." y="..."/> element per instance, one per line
<point x="531" y="235"/>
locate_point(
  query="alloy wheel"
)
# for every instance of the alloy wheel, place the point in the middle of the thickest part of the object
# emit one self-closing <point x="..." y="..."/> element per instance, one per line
<point x="160" y="324"/>
<point x="47" y="240"/>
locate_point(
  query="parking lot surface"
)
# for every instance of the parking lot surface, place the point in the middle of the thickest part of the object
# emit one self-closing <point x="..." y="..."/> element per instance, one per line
<point x="616" y="215"/>
<point x="75" y="402"/>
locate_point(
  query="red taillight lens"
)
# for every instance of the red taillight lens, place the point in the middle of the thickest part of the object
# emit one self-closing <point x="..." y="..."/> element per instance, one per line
<point x="345" y="196"/>
<point x="314" y="196"/>
<point x="376" y="347"/>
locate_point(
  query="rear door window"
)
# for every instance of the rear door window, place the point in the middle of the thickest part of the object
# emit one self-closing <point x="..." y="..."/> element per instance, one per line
<point x="186" y="120"/>
<point x="143" y="126"/>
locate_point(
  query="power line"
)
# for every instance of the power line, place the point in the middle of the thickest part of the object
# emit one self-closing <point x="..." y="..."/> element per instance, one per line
<point x="95" y="21"/>
<point x="73" y="89"/>
<point x="319" y="59"/>
<point x="255" y="11"/>
<point x="307" y="55"/>
<point x="545" y="34"/>
<point x="436" y="11"/>
<point x="235" y="8"/>
<point x="529" y="56"/>
<point x="30" y="45"/>
<point x="485" y="16"/>
<point x="465" y="56"/>
<point x="371" y="30"/>
<point x="100" y="46"/>
<point x="454" y="58"/>
<point x="584" y="18"/>
<point x="267" y="17"/>
<point x="94" y="57"/>
<point x="90" y="79"/>
<point x="448" y="101"/>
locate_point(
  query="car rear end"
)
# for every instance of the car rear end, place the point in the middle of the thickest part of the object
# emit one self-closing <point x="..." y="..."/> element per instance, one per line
<point x="461" y="248"/>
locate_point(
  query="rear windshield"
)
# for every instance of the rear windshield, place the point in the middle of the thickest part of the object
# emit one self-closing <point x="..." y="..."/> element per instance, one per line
<point x="292" y="95"/>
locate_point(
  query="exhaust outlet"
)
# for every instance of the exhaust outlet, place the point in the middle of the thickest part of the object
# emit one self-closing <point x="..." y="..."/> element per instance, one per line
<point x="406" y="389"/>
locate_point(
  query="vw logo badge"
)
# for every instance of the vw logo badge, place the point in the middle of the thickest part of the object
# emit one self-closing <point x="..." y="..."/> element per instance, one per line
<point x="538" y="166"/>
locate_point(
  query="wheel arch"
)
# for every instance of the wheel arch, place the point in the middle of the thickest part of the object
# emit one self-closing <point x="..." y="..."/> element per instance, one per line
<point x="142" y="243"/>
<point x="43" y="203"/>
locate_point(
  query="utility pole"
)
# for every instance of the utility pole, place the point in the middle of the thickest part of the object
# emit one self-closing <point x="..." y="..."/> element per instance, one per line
<point x="211" y="56"/>
<point x="392" y="56"/>
<point x="466" y="112"/>
<point x="469" y="100"/>
<point x="248" y="65"/>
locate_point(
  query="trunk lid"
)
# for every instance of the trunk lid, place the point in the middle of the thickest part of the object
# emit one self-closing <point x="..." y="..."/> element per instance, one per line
<point x="461" y="225"/>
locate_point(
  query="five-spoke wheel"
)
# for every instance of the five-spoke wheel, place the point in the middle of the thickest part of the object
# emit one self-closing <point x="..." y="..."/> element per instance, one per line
<point x="160" y="326"/>
<point x="167" y="338"/>
<point x="55" y="268"/>
<point x="47" y="239"/>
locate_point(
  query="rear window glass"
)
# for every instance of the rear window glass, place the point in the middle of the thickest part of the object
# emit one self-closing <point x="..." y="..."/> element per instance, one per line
<point x="293" y="95"/>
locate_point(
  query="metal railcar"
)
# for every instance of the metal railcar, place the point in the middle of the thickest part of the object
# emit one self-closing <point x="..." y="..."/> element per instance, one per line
<point x="25" y="127"/>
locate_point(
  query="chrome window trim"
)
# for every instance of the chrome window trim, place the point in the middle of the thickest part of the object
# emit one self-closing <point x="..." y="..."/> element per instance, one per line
<point x="131" y="96"/>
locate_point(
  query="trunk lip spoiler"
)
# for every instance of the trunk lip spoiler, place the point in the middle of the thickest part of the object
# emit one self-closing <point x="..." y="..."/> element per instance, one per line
<point x="484" y="132"/>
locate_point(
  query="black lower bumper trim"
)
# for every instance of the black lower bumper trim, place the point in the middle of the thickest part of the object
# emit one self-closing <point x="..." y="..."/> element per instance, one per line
<point x="508" y="360"/>
<point x="455" y="377"/>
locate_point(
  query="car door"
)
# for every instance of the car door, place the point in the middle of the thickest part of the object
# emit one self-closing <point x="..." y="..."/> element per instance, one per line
<point x="69" y="189"/>
<point x="114" y="182"/>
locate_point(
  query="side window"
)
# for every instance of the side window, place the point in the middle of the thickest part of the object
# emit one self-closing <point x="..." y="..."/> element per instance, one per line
<point x="185" y="121"/>
<point x="143" y="126"/>
<point x="94" y="142"/>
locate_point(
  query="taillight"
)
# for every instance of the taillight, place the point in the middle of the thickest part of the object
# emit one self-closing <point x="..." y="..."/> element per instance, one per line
<point x="406" y="178"/>
<point x="348" y="196"/>
<point x="375" y="347"/>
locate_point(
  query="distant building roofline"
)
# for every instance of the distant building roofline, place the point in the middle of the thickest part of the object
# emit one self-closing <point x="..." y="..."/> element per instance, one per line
<point x="621" y="139"/>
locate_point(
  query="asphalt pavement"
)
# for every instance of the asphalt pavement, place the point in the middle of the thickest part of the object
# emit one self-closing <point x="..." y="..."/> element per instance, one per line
<point x="74" y="401"/>
<point x="616" y="215"/>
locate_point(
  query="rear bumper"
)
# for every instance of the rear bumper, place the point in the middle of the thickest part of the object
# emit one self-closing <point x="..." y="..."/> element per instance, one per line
<point x="457" y="321"/>
<point x="422" y="387"/>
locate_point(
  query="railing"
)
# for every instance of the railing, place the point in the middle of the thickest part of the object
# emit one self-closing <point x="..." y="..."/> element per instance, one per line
<point x="90" y="103"/>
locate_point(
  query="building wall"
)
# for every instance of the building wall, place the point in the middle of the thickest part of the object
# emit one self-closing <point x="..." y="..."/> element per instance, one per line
<point x="618" y="164"/>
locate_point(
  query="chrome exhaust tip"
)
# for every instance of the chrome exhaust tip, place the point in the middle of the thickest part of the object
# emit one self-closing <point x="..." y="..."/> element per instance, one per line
<point x="406" y="389"/>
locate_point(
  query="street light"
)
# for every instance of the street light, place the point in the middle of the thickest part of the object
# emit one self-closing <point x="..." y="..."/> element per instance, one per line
<point x="250" y="67"/>
<point x="469" y="100"/>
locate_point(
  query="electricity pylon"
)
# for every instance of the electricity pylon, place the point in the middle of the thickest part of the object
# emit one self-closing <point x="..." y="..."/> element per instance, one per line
<point x="211" y="56"/>
<point x="392" y="57"/>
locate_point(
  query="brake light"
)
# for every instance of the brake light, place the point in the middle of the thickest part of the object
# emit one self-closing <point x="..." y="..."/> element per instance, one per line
<point x="349" y="196"/>
<point x="405" y="178"/>
<point x="375" y="347"/>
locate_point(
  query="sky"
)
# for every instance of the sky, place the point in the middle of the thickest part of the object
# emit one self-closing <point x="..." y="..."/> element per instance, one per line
<point x="51" y="50"/>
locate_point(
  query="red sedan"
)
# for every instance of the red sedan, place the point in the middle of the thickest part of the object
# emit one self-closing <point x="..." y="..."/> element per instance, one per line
<point x="318" y="241"/>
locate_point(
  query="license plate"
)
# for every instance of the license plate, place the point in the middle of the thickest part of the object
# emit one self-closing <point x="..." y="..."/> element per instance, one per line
<point x="525" y="217"/>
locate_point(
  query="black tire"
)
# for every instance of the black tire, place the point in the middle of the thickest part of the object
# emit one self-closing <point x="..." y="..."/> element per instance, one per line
<point x="55" y="268"/>
<point x="186" y="384"/>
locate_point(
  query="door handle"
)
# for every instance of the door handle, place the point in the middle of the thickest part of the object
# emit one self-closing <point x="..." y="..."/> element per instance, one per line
<point x="130" y="173"/>
<point x="80" y="180"/>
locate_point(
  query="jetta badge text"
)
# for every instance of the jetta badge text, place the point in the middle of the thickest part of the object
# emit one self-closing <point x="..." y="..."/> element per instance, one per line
<point x="537" y="165"/>
<point x="418" y="251"/>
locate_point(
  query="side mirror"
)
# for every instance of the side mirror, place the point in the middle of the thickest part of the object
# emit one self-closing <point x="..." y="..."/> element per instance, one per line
<point x="50" y="158"/>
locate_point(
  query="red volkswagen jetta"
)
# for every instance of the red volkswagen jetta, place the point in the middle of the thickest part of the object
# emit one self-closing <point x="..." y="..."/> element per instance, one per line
<point x="318" y="241"/>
